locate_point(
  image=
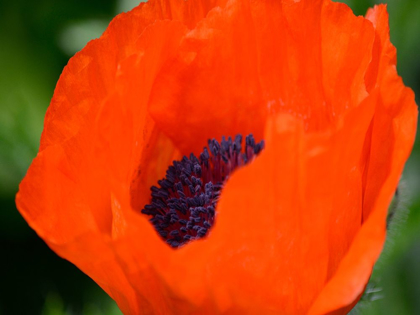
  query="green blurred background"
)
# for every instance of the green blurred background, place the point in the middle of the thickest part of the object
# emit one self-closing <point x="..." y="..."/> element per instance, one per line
<point x="36" y="40"/>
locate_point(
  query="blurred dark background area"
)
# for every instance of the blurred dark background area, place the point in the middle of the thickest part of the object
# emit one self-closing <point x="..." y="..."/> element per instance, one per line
<point x="36" y="40"/>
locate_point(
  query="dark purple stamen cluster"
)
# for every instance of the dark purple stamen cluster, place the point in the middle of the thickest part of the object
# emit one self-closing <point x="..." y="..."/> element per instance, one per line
<point x="183" y="208"/>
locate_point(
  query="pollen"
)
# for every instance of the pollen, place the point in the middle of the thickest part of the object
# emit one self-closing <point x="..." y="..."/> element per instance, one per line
<point x="183" y="207"/>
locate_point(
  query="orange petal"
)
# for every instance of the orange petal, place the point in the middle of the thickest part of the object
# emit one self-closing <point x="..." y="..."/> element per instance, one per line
<point x="272" y="220"/>
<point x="289" y="234"/>
<point x="96" y="132"/>
<point x="396" y="113"/>
<point x="313" y="69"/>
<point x="392" y="136"/>
<point x="90" y="76"/>
<point x="210" y="89"/>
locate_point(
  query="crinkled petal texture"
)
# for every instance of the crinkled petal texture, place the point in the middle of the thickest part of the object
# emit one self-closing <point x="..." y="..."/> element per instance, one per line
<point x="299" y="229"/>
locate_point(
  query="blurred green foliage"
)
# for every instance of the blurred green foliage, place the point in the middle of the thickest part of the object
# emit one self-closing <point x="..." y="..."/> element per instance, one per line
<point x="37" y="38"/>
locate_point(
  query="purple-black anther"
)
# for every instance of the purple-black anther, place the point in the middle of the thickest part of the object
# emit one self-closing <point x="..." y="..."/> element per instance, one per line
<point x="183" y="206"/>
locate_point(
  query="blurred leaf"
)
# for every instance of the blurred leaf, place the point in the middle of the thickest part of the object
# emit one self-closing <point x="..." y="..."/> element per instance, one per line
<point x="127" y="5"/>
<point x="358" y="7"/>
<point x="404" y="29"/>
<point x="75" y="36"/>
<point x="24" y="96"/>
<point x="53" y="305"/>
<point x="109" y="308"/>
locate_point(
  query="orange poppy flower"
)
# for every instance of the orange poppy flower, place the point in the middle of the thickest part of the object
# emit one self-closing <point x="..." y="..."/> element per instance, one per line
<point x="299" y="229"/>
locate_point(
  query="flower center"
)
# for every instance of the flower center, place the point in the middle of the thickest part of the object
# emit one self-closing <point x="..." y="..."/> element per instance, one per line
<point x="183" y="208"/>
